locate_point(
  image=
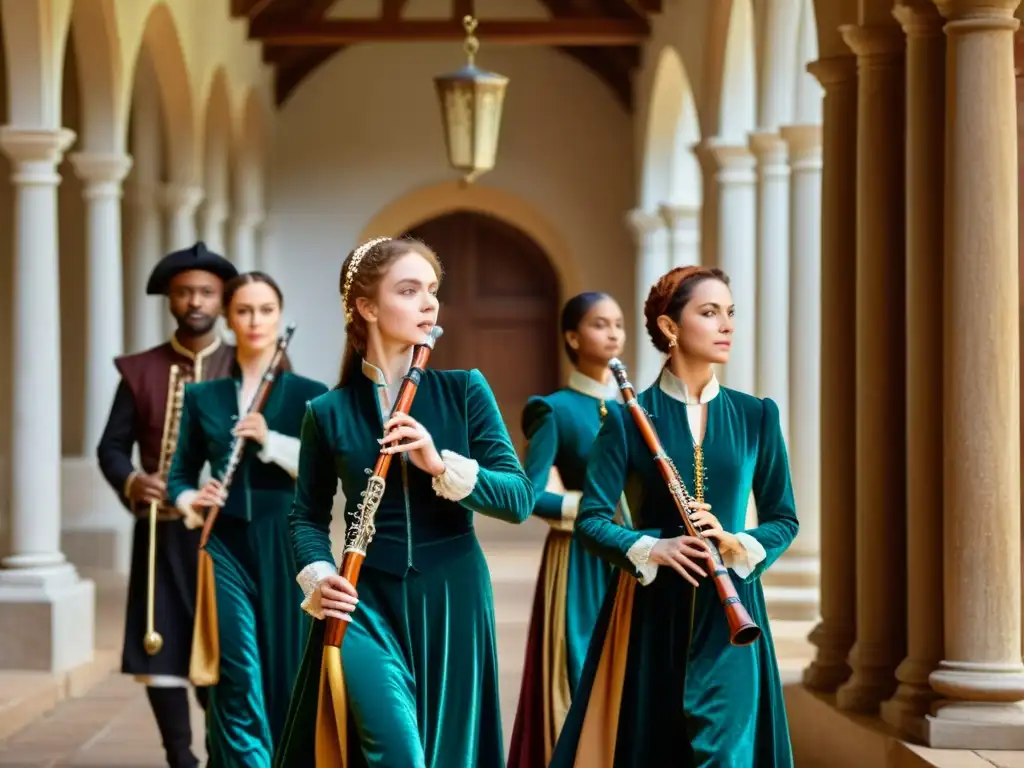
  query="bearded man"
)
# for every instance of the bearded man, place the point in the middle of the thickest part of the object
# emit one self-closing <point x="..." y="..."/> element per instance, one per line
<point x="144" y="404"/>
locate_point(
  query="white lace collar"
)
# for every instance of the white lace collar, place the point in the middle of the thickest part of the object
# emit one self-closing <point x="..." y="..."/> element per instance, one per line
<point x="675" y="388"/>
<point x="593" y="388"/>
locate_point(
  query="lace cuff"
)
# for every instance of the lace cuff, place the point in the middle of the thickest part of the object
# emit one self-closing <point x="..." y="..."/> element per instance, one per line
<point x="744" y="564"/>
<point x="309" y="579"/>
<point x="281" y="450"/>
<point x="638" y="555"/>
<point x="193" y="519"/>
<point x="459" y="477"/>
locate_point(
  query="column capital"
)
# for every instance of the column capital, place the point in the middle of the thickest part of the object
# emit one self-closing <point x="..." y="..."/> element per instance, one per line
<point x="874" y="45"/>
<point x="35" y="153"/>
<point x="805" y="146"/>
<point x="641" y="223"/>
<point x="678" y="216"/>
<point x="834" y="70"/>
<point x="180" y="198"/>
<point x="101" y="172"/>
<point x="216" y="210"/>
<point x="978" y="15"/>
<point x="730" y="163"/>
<point x="249" y="219"/>
<point x="768" y="147"/>
<point x="919" y="18"/>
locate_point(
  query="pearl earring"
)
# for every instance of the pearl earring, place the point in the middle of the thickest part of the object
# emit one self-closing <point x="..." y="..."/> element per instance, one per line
<point x="671" y="342"/>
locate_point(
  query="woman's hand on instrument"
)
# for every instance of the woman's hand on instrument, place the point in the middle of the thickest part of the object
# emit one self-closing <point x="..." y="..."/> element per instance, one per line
<point x="252" y="426"/>
<point x="709" y="526"/>
<point x="682" y="554"/>
<point x="338" y="597"/>
<point x="210" y="495"/>
<point x="420" y="445"/>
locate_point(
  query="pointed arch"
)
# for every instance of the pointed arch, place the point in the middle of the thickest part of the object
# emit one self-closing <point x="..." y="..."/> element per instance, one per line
<point x="670" y="169"/>
<point x="34" y="44"/>
<point x="738" y="103"/>
<point x="103" y="113"/>
<point x="218" y="134"/>
<point x="161" y="43"/>
<point x="253" y="143"/>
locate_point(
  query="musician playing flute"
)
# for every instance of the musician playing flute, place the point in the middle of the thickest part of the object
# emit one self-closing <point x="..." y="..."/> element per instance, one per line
<point x="419" y="658"/>
<point x="572" y="582"/>
<point x="661" y="677"/>
<point x="193" y="282"/>
<point x="259" y="621"/>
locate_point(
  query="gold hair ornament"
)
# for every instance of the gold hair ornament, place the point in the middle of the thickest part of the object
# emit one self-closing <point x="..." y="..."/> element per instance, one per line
<point x="353" y="267"/>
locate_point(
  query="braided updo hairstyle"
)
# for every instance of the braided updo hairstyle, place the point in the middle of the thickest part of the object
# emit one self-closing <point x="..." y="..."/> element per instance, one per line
<point x="671" y="294"/>
<point x="374" y="259"/>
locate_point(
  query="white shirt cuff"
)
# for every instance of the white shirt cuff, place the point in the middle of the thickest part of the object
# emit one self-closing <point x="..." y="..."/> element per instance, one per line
<point x="744" y="564"/>
<point x="309" y="579"/>
<point x="193" y="519"/>
<point x="282" y="450"/>
<point x="459" y="477"/>
<point x="570" y="508"/>
<point x="639" y="555"/>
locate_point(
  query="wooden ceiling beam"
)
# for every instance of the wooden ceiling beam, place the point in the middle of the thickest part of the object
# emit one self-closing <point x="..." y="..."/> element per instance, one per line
<point x="559" y="32"/>
<point x="250" y="9"/>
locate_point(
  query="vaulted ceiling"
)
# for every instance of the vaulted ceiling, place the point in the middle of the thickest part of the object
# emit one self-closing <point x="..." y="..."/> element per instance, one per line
<point x="606" y="36"/>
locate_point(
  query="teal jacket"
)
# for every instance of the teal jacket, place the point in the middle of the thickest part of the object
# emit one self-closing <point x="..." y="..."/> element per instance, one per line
<point x="416" y="529"/>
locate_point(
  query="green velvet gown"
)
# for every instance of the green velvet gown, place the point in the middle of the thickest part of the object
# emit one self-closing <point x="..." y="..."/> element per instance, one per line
<point x="419" y="658"/>
<point x="572" y="582"/>
<point x="661" y="677"/>
<point x="260" y="623"/>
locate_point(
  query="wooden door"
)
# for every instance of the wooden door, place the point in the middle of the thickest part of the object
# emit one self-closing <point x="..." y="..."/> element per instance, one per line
<point x="499" y="308"/>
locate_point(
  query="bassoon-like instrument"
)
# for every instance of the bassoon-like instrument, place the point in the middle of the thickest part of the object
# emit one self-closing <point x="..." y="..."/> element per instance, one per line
<point x="332" y="714"/>
<point x="204" y="667"/>
<point x="742" y="629"/>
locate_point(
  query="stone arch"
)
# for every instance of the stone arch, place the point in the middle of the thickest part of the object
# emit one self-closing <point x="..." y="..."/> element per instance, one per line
<point x="100" y="76"/>
<point x="161" y="43"/>
<point x="431" y="202"/>
<point x="250" y="163"/>
<point x="34" y="37"/>
<point x="737" y="101"/>
<point x="671" y="172"/>
<point x="217" y="150"/>
<point x="807" y="110"/>
<point x="829" y="16"/>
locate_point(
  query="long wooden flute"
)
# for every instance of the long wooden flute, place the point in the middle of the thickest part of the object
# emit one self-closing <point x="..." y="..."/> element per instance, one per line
<point x="742" y="629"/>
<point x="362" y="526"/>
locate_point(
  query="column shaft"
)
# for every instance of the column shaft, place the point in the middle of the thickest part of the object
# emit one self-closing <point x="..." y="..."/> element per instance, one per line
<point x="926" y="117"/>
<point x="981" y="677"/>
<point x="214" y="217"/>
<point x="651" y="263"/>
<point x="147" y="312"/>
<point x="243" y="245"/>
<point x="683" y="222"/>
<point x="180" y="202"/>
<point x="834" y="634"/>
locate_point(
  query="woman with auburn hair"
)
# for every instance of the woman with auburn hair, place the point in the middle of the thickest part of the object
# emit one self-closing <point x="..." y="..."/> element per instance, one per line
<point x="419" y="657"/>
<point x="572" y="582"/>
<point x="661" y="676"/>
<point x="260" y="640"/>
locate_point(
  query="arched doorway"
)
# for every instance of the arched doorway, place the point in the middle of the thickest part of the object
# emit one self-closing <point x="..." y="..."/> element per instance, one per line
<point x="499" y="308"/>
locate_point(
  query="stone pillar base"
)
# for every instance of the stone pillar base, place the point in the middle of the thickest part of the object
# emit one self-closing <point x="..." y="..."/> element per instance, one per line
<point x="47" y="619"/>
<point x="973" y="725"/>
<point x="96" y="531"/>
<point x="791" y="588"/>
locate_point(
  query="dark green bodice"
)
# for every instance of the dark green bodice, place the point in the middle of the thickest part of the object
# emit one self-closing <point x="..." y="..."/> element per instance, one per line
<point x="415" y="528"/>
<point x="561" y="428"/>
<point x="209" y="413"/>
<point x="744" y="451"/>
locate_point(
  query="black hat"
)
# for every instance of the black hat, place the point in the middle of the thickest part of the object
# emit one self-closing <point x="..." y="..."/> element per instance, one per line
<point x="196" y="257"/>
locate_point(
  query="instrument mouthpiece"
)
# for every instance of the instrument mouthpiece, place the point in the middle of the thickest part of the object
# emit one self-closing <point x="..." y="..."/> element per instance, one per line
<point x="435" y="333"/>
<point x="615" y="364"/>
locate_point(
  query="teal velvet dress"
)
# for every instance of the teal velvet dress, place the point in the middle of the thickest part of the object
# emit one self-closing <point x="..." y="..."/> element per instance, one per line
<point x="419" y="658"/>
<point x="260" y="623"/>
<point x="572" y="581"/>
<point x="661" y="677"/>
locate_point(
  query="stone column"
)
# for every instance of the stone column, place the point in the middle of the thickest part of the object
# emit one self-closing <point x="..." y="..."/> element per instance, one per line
<point x="651" y="263"/>
<point x="881" y="421"/>
<point x="834" y="634"/>
<point x="214" y="216"/>
<point x="96" y="530"/>
<point x="772" y="270"/>
<point x="683" y="222"/>
<point x="981" y="678"/>
<point x="41" y="595"/>
<point x="737" y="251"/>
<point x="791" y="586"/>
<point x="180" y="202"/>
<point x="243" y="241"/>
<point x="146" y="249"/>
<point x="926" y="118"/>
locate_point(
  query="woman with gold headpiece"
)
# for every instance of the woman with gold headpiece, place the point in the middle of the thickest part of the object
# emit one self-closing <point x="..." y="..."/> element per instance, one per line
<point x="661" y="676"/>
<point x="419" y="661"/>
<point x="258" y="619"/>
<point x="572" y="582"/>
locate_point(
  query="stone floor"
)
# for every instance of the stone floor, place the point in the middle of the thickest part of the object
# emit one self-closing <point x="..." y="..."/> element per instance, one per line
<point x="111" y="725"/>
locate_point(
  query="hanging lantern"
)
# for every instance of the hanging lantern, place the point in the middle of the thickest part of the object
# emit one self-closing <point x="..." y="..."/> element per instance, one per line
<point x="471" y="102"/>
